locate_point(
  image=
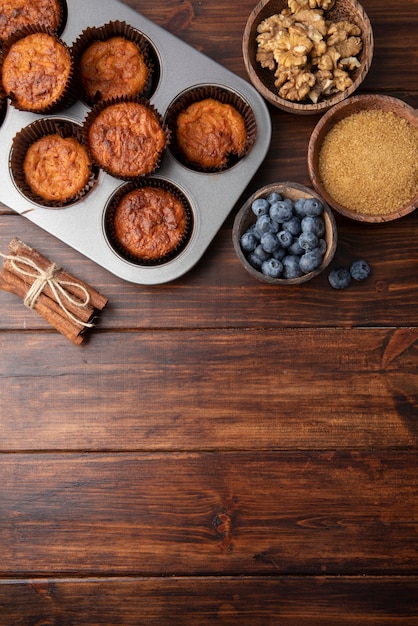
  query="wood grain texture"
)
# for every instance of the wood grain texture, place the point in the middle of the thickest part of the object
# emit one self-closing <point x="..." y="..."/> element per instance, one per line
<point x="226" y="601"/>
<point x="209" y="513"/>
<point x="329" y="389"/>
<point x="220" y="451"/>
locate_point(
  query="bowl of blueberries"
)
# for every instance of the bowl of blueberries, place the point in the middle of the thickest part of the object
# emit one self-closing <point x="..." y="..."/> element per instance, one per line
<point x="285" y="234"/>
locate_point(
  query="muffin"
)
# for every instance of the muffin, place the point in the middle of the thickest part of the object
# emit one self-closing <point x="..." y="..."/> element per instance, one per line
<point x="208" y="132"/>
<point x="57" y="168"/>
<point x="113" y="68"/>
<point x="18" y="14"/>
<point x="37" y="71"/>
<point x="149" y="223"/>
<point x="126" y="138"/>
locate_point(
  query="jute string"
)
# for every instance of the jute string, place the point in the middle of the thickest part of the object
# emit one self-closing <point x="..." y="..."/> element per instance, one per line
<point x="27" y="267"/>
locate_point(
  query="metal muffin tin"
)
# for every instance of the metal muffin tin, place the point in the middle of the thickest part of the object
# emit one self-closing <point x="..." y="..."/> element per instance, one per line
<point x="211" y="196"/>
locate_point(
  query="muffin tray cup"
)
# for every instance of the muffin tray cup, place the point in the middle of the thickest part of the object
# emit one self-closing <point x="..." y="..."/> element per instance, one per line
<point x="211" y="196"/>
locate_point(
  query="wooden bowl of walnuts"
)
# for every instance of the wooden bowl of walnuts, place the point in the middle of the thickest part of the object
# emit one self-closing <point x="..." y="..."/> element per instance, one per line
<point x="303" y="59"/>
<point x="285" y="234"/>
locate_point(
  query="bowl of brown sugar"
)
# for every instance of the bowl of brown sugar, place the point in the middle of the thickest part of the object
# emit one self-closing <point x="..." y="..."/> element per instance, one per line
<point x="363" y="158"/>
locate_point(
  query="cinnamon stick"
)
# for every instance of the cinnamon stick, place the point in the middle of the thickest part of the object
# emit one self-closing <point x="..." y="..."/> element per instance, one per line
<point x="44" y="306"/>
<point x="81" y="302"/>
<point x="97" y="300"/>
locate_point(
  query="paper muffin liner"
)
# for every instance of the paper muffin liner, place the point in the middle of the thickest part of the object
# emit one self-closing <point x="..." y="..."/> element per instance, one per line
<point x="109" y="213"/>
<point x="116" y="29"/>
<point x="101" y="106"/>
<point x="61" y="21"/>
<point x="223" y="95"/>
<point x="71" y="90"/>
<point x="26" y="137"/>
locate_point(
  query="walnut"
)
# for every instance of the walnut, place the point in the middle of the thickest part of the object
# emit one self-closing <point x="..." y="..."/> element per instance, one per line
<point x="324" y="84"/>
<point x="318" y="51"/>
<point x="342" y="80"/>
<point x="314" y="23"/>
<point x="340" y="31"/>
<point x="265" y="58"/>
<point x="295" y="5"/>
<point x="349" y="63"/>
<point x="298" y="84"/>
<point x="350" y="47"/>
<point x="329" y="60"/>
<point x="292" y="48"/>
<point x="274" y="24"/>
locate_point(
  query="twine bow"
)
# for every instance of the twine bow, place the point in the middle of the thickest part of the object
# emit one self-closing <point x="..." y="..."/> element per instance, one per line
<point x="57" y="285"/>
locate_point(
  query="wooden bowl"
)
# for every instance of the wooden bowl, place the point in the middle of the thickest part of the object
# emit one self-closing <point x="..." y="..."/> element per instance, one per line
<point x="245" y="217"/>
<point x="341" y="111"/>
<point x="263" y="78"/>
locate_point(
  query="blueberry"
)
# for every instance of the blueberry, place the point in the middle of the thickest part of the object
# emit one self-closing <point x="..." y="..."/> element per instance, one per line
<point x="260" y="206"/>
<point x="248" y="242"/>
<point x="310" y="261"/>
<point x="279" y="253"/>
<point x="255" y="260"/>
<point x="260" y="253"/>
<point x="322" y="245"/>
<point x="285" y="238"/>
<point x="339" y="278"/>
<point x="292" y="225"/>
<point x="295" y="248"/>
<point x="291" y="267"/>
<point x="281" y="211"/>
<point x="308" y="240"/>
<point x="272" y="267"/>
<point x="274" y="196"/>
<point x="265" y="225"/>
<point x="299" y="207"/>
<point x="269" y="242"/>
<point x="359" y="269"/>
<point x="313" y="207"/>
<point x="314" y="225"/>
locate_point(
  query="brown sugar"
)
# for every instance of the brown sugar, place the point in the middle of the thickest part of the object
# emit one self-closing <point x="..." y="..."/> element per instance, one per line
<point x="368" y="162"/>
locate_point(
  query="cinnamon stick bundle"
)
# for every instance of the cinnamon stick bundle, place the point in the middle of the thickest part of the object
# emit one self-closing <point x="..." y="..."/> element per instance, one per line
<point x="64" y="301"/>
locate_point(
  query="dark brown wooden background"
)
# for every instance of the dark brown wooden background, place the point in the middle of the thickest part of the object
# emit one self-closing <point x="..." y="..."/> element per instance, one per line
<point x="220" y="451"/>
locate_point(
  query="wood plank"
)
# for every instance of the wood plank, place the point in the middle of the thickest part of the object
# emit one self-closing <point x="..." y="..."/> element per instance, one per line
<point x="201" y="601"/>
<point x="306" y="389"/>
<point x="218" y="292"/>
<point x="209" y="513"/>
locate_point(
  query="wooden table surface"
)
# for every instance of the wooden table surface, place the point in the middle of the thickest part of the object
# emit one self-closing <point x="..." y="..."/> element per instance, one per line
<point x="221" y="451"/>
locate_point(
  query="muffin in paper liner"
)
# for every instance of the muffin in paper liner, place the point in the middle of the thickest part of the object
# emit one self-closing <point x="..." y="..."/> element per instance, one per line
<point x="126" y="137"/>
<point x="147" y="183"/>
<point x="50" y="14"/>
<point x="26" y="137"/>
<point x="224" y="96"/>
<point x="12" y="58"/>
<point x="115" y="85"/>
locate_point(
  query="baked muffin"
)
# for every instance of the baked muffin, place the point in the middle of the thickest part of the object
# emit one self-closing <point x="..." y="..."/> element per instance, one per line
<point x="57" y="168"/>
<point x="18" y="14"/>
<point x="208" y="132"/>
<point x="37" y="71"/>
<point x="113" y="68"/>
<point x="126" y="138"/>
<point x="149" y="223"/>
